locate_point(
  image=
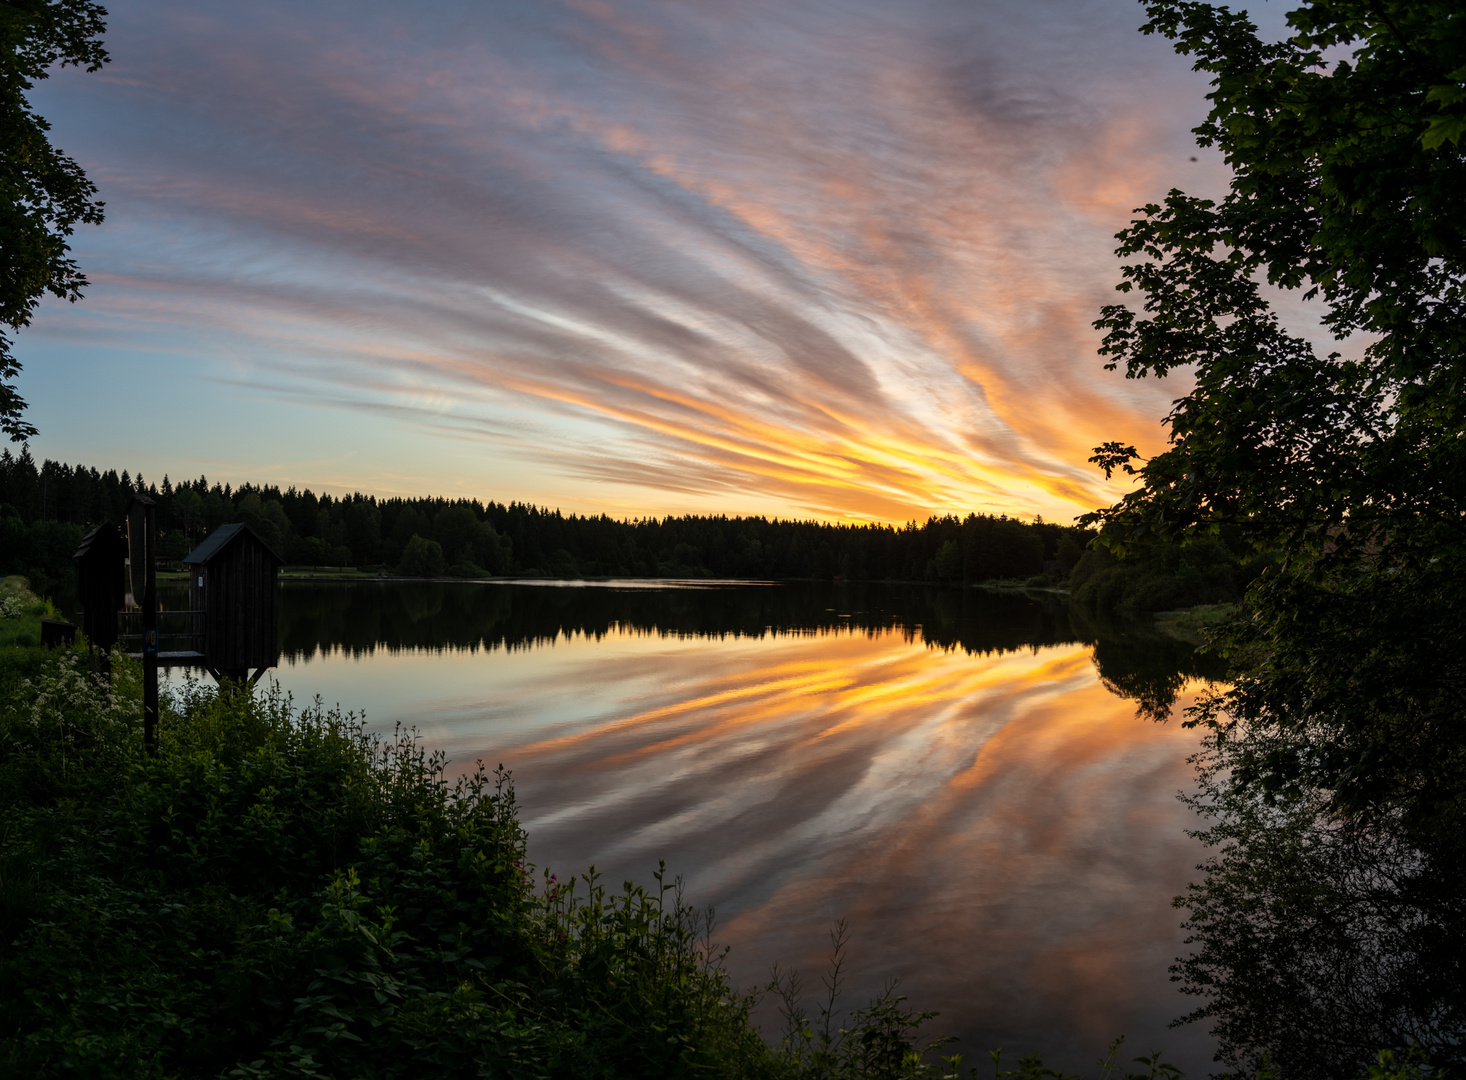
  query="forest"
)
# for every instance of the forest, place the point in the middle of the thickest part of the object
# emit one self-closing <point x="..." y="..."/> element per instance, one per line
<point x="45" y="508"/>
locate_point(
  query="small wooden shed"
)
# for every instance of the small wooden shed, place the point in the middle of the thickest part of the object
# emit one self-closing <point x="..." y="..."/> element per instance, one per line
<point x="234" y="583"/>
<point x="101" y="583"/>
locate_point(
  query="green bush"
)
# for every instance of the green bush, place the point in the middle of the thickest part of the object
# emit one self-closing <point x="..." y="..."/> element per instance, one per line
<point x="41" y="550"/>
<point x="276" y="893"/>
<point x="421" y="558"/>
<point x="1161" y="577"/>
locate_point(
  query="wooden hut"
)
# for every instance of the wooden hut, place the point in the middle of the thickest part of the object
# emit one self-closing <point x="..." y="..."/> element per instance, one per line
<point x="234" y="584"/>
<point x="101" y="583"/>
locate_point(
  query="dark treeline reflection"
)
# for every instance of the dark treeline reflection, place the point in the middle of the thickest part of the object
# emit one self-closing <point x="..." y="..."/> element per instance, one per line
<point x="1139" y="664"/>
<point x="357" y="619"/>
<point x="1318" y="937"/>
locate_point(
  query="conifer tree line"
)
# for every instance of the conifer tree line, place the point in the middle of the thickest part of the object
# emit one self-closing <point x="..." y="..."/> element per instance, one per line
<point x="45" y="509"/>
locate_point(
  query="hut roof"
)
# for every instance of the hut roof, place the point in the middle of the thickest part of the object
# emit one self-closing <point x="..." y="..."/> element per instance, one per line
<point x="221" y="538"/>
<point x="102" y="534"/>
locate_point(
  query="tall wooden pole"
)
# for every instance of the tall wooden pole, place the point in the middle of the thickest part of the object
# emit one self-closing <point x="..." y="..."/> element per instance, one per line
<point x="150" y="628"/>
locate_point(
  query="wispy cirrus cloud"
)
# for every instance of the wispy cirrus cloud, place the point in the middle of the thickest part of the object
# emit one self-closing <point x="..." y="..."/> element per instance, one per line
<point x="780" y="257"/>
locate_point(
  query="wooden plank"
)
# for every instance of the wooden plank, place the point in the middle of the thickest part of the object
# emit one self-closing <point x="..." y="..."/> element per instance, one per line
<point x="185" y="657"/>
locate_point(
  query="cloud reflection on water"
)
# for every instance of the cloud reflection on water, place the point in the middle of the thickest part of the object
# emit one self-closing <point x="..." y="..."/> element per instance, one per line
<point x="1000" y="830"/>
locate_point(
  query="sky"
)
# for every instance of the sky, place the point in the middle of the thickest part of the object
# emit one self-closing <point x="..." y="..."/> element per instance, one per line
<point x="812" y="258"/>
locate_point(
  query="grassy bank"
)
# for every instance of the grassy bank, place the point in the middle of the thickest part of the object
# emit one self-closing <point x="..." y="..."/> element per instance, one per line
<point x="21" y="612"/>
<point x="1191" y="624"/>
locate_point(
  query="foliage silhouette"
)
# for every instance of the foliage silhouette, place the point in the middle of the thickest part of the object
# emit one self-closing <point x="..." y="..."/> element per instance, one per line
<point x="1346" y="472"/>
<point x="1317" y="938"/>
<point x="1326" y="925"/>
<point x="46" y="193"/>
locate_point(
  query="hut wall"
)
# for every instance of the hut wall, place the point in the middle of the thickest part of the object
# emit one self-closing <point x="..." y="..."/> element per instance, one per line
<point x="99" y="571"/>
<point x="195" y="593"/>
<point x="240" y="604"/>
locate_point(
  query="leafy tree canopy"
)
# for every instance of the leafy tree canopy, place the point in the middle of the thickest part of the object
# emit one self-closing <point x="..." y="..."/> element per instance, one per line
<point x="1347" y="174"/>
<point x="43" y="193"/>
<point x="1329" y="920"/>
<point x="1345" y="144"/>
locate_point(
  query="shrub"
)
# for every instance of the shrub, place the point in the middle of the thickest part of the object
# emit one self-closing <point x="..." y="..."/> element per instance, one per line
<point x="1161" y="577"/>
<point x="277" y="893"/>
<point x="421" y="558"/>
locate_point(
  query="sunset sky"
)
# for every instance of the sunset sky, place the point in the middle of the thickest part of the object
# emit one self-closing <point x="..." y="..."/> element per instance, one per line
<point x="795" y="257"/>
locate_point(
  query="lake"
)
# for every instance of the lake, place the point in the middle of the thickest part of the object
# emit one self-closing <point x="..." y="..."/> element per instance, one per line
<point x="961" y="775"/>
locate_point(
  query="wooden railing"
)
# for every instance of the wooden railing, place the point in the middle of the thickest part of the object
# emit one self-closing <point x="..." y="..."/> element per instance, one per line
<point x="189" y="637"/>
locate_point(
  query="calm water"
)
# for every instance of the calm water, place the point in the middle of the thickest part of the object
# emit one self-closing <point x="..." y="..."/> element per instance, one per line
<point x="956" y="773"/>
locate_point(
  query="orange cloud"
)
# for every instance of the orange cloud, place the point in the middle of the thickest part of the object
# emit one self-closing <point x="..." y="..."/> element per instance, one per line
<point x="743" y="260"/>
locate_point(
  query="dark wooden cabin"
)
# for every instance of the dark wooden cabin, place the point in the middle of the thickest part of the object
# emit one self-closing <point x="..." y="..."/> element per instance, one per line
<point x="101" y="583"/>
<point x="234" y="582"/>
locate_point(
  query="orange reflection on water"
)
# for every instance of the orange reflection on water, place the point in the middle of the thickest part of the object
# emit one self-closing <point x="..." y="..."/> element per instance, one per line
<point x="1001" y="832"/>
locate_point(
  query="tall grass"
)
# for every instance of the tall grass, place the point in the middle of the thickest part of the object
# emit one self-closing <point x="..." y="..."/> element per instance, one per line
<point x="21" y="612"/>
